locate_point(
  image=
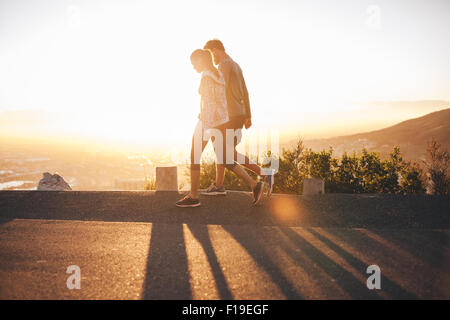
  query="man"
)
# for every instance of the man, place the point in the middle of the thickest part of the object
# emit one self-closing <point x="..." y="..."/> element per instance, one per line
<point x="213" y="115"/>
<point x="238" y="111"/>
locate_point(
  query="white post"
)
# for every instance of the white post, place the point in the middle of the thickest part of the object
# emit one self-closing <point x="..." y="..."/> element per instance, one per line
<point x="313" y="186"/>
<point x="166" y="179"/>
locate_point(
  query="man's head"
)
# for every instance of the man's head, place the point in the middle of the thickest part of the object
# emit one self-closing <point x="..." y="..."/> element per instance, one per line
<point x="217" y="49"/>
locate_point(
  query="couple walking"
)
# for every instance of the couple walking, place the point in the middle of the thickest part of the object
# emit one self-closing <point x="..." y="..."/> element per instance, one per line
<point x="224" y="111"/>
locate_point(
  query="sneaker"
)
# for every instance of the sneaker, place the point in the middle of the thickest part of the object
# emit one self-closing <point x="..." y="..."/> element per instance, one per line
<point x="270" y="182"/>
<point x="257" y="192"/>
<point x="188" y="202"/>
<point x="214" y="191"/>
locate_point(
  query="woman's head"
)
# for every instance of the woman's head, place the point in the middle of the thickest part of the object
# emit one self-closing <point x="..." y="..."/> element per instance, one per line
<point x="202" y="60"/>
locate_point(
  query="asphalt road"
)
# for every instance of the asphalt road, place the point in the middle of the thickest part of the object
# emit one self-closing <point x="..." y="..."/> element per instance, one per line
<point x="123" y="260"/>
<point x="187" y="256"/>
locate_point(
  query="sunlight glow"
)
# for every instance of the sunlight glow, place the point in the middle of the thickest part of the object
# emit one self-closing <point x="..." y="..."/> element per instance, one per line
<point x="121" y="70"/>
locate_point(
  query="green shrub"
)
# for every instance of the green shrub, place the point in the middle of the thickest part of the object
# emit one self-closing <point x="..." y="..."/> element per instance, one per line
<point x="437" y="164"/>
<point x="150" y="183"/>
<point x="367" y="173"/>
<point x="412" y="181"/>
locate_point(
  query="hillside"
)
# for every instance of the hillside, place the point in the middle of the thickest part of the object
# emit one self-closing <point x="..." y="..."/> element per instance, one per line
<point x="411" y="136"/>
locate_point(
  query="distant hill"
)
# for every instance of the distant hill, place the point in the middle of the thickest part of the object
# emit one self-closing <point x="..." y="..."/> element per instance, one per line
<point x="411" y="136"/>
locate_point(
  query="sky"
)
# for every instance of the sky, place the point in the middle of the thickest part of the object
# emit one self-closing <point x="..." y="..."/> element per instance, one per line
<point x="121" y="69"/>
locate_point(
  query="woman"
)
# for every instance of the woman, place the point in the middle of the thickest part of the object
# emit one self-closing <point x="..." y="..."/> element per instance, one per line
<point x="213" y="103"/>
<point x="213" y="114"/>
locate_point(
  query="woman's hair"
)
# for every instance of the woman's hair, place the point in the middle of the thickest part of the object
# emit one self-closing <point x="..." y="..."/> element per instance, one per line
<point x="206" y="58"/>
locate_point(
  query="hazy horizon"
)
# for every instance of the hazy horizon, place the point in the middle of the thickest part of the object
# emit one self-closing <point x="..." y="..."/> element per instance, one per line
<point x="62" y="127"/>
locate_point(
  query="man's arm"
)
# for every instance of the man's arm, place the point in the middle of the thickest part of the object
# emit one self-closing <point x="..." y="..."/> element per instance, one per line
<point x="248" y="120"/>
<point x="227" y="68"/>
<point x="246" y="99"/>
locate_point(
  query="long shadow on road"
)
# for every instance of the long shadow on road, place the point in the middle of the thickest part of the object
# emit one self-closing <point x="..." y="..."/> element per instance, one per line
<point x="390" y="287"/>
<point x="419" y="257"/>
<point x="167" y="274"/>
<point x="254" y="242"/>
<point x="260" y="243"/>
<point x="343" y="278"/>
<point x="429" y="246"/>
<point x="201" y="233"/>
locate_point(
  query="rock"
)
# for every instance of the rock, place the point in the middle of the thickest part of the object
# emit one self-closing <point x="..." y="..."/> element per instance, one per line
<point x="166" y="179"/>
<point x="313" y="186"/>
<point x="53" y="182"/>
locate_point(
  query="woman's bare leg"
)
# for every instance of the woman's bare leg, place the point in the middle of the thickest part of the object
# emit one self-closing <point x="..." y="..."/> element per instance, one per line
<point x="195" y="182"/>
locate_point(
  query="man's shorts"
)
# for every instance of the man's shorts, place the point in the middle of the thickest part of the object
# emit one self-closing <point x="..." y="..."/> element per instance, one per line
<point x="224" y="142"/>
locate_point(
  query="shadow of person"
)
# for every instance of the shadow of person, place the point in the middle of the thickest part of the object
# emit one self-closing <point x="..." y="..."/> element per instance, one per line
<point x="390" y="287"/>
<point x="200" y="232"/>
<point x="429" y="246"/>
<point x="343" y="278"/>
<point x="167" y="274"/>
<point x="254" y="241"/>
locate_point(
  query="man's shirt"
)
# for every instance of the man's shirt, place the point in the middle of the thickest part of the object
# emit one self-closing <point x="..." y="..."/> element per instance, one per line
<point x="236" y="91"/>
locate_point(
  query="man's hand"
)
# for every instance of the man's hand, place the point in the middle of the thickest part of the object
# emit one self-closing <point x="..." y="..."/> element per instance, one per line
<point x="248" y="123"/>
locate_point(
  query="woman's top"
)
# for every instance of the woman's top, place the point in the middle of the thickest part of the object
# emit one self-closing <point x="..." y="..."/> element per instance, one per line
<point x="213" y="105"/>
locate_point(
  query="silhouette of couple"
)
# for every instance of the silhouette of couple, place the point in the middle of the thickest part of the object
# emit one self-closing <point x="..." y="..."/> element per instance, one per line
<point x="224" y="111"/>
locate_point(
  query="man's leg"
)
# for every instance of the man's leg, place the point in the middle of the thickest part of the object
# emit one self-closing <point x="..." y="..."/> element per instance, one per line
<point x="222" y="163"/>
<point x="220" y="170"/>
<point x="241" y="173"/>
<point x="235" y="166"/>
<point x="252" y="166"/>
<point x="231" y="143"/>
<point x="237" y="136"/>
<point x="237" y="169"/>
<point x="268" y="178"/>
<point x="257" y="187"/>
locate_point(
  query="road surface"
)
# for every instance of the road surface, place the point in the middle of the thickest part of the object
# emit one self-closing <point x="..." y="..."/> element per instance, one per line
<point x="288" y="251"/>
